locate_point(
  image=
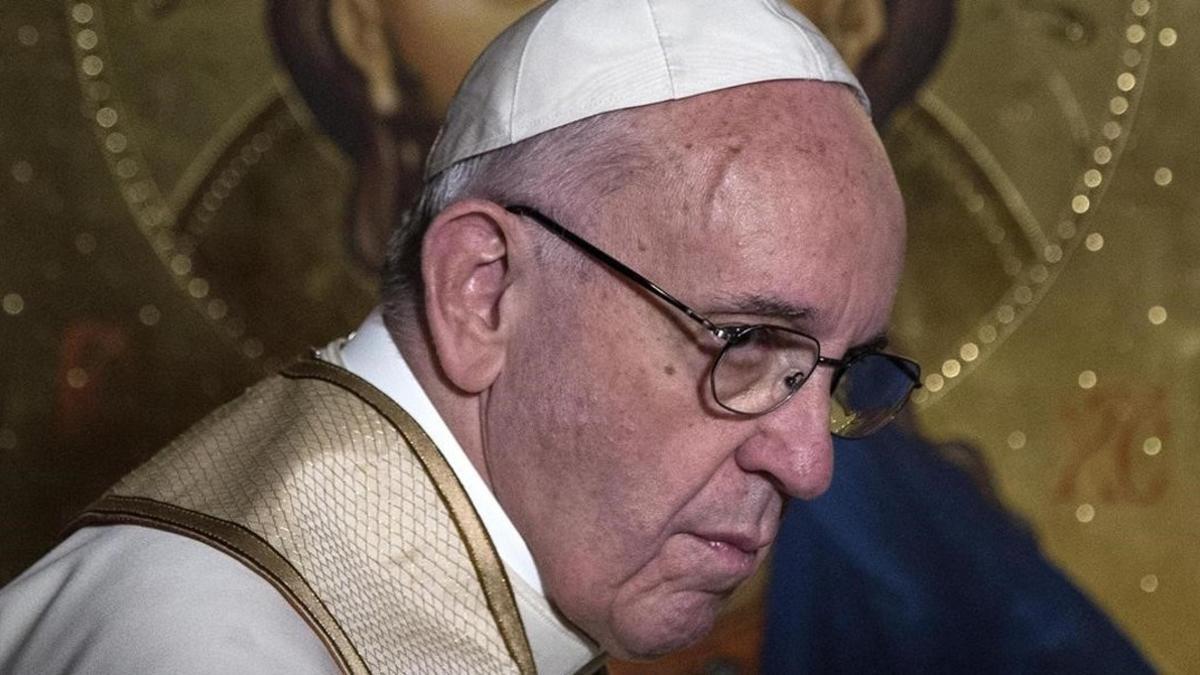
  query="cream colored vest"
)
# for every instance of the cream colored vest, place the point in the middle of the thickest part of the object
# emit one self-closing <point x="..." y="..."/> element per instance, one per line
<point x="331" y="492"/>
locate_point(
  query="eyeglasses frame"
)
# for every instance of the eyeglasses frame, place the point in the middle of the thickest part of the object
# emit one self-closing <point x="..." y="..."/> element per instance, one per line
<point x="728" y="334"/>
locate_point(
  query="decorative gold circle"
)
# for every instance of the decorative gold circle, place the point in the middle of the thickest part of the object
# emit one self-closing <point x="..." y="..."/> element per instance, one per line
<point x="77" y="378"/>
<point x="82" y="13"/>
<point x="85" y="243"/>
<point x="198" y="288"/>
<point x="934" y="383"/>
<point x="1085" y="513"/>
<point x="951" y="368"/>
<point x="13" y="303"/>
<point x="22" y="171"/>
<point x="87" y="39"/>
<point x="1152" y="446"/>
<point x="27" y="36"/>
<point x="1016" y="440"/>
<point x="969" y="352"/>
<point x="1087" y="379"/>
<point x="149" y="315"/>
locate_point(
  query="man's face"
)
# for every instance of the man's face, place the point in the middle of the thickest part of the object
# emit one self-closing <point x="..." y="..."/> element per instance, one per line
<point x="642" y="502"/>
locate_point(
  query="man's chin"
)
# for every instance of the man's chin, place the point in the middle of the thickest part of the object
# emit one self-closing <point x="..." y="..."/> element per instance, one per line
<point x="653" y="628"/>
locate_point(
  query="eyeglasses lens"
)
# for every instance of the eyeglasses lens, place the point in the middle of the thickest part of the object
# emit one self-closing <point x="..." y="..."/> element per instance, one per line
<point x="761" y="368"/>
<point x="872" y="389"/>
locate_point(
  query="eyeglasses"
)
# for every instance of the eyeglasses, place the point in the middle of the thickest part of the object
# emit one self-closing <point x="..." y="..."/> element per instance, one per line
<point x="761" y="366"/>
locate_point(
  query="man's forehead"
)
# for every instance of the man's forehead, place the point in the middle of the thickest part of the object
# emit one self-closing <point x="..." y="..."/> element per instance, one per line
<point x="797" y="108"/>
<point x="765" y="209"/>
<point x="786" y="122"/>
<point x="758" y="156"/>
<point x="836" y="301"/>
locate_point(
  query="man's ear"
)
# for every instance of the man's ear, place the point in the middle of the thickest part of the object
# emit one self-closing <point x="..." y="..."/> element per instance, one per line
<point x="359" y="29"/>
<point x="470" y="261"/>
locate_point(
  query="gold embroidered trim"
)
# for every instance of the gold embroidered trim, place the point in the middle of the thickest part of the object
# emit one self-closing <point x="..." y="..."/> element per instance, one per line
<point x="496" y="587"/>
<point x="240" y="543"/>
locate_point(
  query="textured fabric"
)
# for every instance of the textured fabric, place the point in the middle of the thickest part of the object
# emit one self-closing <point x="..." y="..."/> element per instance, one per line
<point x="371" y="353"/>
<point x="328" y="483"/>
<point x="127" y="599"/>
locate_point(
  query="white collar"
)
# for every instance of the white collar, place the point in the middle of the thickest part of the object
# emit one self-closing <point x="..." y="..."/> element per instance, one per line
<point x="371" y="354"/>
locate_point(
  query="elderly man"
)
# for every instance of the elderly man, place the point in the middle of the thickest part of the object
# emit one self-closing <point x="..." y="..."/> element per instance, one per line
<point x="532" y="454"/>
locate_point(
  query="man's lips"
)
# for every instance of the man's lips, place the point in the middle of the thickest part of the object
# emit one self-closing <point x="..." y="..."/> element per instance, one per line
<point x="742" y="541"/>
<point x="730" y="556"/>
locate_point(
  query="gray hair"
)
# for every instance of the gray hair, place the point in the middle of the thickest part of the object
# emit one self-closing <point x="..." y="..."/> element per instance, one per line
<point x="562" y="170"/>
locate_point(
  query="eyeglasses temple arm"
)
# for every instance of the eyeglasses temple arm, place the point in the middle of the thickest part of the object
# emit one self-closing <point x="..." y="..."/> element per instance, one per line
<point x="613" y="263"/>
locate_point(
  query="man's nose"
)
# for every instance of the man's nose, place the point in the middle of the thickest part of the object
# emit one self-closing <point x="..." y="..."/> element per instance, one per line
<point x="793" y="445"/>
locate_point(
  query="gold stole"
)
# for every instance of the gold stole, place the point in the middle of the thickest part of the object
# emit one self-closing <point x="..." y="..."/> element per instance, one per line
<point x="331" y="492"/>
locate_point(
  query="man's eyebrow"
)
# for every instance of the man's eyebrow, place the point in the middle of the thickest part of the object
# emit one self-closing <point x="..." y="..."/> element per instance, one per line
<point x="764" y="305"/>
<point x="877" y="343"/>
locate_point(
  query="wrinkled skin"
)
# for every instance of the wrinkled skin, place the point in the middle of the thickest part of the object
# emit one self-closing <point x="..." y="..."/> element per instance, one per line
<point x="643" y="505"/>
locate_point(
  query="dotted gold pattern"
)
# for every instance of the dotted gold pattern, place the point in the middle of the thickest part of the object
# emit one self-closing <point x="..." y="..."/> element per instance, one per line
<point x="1073" y="225"/>
<point x="156" y="217"/>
